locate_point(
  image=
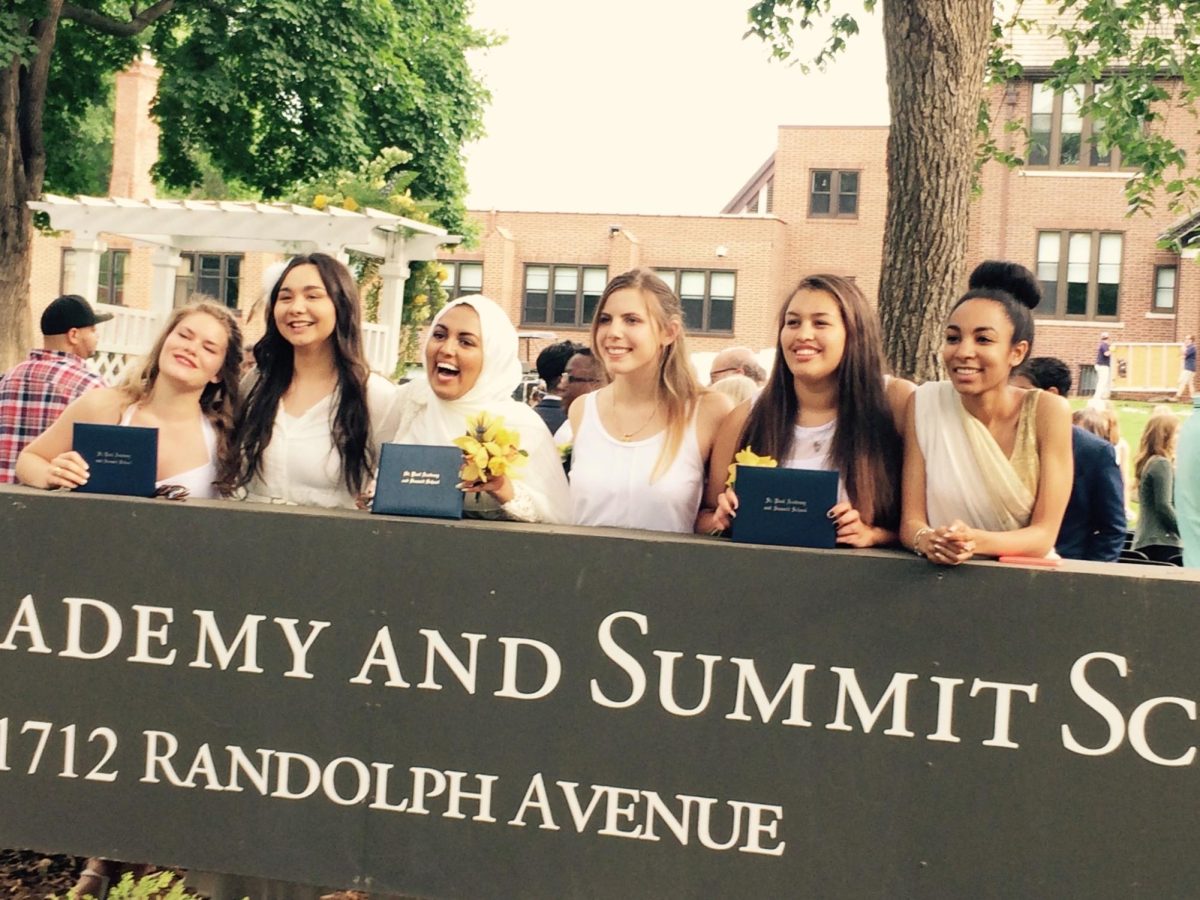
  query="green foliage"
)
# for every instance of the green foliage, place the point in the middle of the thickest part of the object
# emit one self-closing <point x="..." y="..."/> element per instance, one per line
<point x="78" y="111"/>
<point x="281" y="91"/>
<point x="1129" y="47"/>
<point x="212" y="184"/>
<point x="384" y="183"/>
<point x="156" y="886"/>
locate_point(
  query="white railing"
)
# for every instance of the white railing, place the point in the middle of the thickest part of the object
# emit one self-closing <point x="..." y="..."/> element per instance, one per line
<point x="375" y="346"/>
<point x="130" y="331"/>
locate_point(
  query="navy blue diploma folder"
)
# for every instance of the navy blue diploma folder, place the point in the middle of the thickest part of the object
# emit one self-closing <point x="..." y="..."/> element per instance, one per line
<point x="122" y="459"/>
<point x="785" y="506"/>
<point x="419" y="481"/>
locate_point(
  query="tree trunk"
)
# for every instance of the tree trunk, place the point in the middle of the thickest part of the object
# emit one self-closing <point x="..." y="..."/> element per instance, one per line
<point x="936" y="51"/>
<point x="22" y="172"/>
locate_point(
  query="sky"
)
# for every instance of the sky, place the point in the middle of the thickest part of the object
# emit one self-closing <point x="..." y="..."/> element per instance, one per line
<point x="646" y="106"/>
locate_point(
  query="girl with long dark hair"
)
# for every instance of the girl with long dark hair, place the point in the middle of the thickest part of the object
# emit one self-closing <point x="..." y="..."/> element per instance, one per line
<point x="314" y="417"/>
<point x="826" y="405"/>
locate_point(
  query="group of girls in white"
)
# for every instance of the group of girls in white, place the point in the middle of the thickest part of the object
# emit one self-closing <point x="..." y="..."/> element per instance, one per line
<point x="951" y="469"/>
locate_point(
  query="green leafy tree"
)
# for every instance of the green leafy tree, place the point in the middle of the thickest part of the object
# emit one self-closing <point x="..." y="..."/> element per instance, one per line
<point x="941" y="54"/>
<point x="266" y="92"/>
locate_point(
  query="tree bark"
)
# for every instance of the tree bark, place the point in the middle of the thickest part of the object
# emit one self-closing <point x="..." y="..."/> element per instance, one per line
<point x="22" y="172"/>
<point x="936" y="52"/>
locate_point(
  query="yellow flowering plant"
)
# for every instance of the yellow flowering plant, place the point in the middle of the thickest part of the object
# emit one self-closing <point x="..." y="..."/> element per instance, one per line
<point x="489" y="449"/>
<point x="747" y="457"/>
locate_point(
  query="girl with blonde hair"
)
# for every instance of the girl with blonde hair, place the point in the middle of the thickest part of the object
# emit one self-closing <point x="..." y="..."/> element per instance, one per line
<point x="643" y="440"/>
<point x="1157" y="533"/>
<point x="186" y="387"/>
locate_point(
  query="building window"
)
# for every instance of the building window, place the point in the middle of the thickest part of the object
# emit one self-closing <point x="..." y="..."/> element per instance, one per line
<point x="110" y="287"/>
<point x="1060" y="136"/>
<point x="834" y="194"/>
<point x="562" y="295"/>
<point x="1080" y="273"/>
<point x="462" y="279"/>
<point x="1165" y="284"/>
<point x="706" y="296"/>
<point x="216" y="275"/>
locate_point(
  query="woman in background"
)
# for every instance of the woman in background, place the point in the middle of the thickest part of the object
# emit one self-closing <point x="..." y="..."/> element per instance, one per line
<point x="1157" y="532"/>
<point x="315" y="416"/>
<point x="987" y="465"/>
<point x="827" y="405"/>
<point x="642" y="441"/>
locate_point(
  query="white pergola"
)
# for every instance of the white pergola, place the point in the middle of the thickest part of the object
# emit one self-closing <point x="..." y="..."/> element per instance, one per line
<point x="226" y="226"/>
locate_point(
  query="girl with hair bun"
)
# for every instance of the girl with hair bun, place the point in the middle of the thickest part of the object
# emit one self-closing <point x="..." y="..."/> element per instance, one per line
<point x="643" y="440"/>
<point x="827" y="405"/>
<point x="987" y="465"/>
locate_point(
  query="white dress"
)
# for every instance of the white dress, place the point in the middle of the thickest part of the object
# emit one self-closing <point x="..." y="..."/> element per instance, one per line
<point x="198" y="481"/>
<point x="811" y="447"/>
<point x="610" y="479"/>
<point x="301" y="466"/>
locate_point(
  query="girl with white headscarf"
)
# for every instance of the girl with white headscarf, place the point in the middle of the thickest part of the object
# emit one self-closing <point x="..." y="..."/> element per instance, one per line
<point x="471" y="367"/>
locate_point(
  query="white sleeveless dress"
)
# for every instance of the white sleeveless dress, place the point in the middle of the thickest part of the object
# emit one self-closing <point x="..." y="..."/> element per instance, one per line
<point x="198" y="481"/>
<point x="610" y="479"/>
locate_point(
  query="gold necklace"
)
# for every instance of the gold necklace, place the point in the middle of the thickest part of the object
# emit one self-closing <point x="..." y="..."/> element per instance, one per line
<point x="630" y="435"/>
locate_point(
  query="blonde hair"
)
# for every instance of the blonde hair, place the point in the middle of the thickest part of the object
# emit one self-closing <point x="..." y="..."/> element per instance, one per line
<point x="1157" y="440"/>
<point x="219" y="400"/>
<point x="677" y="382"/>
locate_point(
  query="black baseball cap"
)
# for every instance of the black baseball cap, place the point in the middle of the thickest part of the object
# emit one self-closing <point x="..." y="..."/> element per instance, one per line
<point x="70" y="311"/>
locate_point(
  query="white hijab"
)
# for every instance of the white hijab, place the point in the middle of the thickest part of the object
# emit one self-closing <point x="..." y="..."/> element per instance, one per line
<point x="438" y="422"/>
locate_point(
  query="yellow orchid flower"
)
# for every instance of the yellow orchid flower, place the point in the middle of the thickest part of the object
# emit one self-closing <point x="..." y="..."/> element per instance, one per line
<point x="747" y="457"/>
<point x="489" y="449"/>
<point x="320" y="201"/>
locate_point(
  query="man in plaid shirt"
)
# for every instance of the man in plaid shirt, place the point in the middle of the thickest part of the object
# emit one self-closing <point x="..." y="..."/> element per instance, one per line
<point x="35" y="392"/>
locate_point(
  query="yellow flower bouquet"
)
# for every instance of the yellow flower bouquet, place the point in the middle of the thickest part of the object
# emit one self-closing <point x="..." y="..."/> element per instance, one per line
<point x="489" y="449"/>
<point x="747" y="457"/>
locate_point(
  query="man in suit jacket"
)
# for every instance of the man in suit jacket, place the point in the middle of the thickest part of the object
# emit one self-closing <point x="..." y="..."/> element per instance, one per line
<point x="1094" y="524"/>
<point x="550" y="365"/>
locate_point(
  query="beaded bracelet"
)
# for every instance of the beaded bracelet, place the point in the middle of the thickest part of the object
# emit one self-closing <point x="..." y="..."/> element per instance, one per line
<point x="921" y="532"/>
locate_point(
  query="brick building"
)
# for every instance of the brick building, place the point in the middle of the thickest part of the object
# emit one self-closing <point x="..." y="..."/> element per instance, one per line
<point x="817" y="204"/>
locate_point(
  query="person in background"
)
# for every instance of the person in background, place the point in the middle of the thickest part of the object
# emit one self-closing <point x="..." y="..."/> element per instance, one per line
<point x="827" y="406"/>
<point x="551" y="363"/>
<point x="315" y="415"/>
<point x="642" y="441"/>
<point x="1187" y="374"/>
<point x="1112" y="431"/>
<point x="738" y="388"/>
<point x="1157" y="533"/>
<point x="34" y="393"/>
<point x="1103" y="368"/>
<point x="1187" y="487"/>
<point x="1093" y="526"/>
<point x="186" y="387"/>
<point x="987" y="465"/>
<point x="737" y="361"/>
<point x="583" y="375"/>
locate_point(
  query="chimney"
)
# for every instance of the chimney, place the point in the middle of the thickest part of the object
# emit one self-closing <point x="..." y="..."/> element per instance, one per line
<point x="135" y="134"/>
